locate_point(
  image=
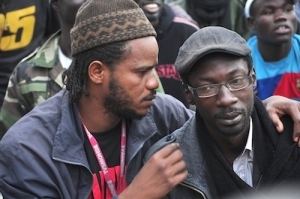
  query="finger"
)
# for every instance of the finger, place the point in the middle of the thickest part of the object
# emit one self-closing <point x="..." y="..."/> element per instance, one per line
<point x="175" y="157"/>
<point x="298" y="140"/>
<point x="179" y="167"/>
<point x="177" y="172"/>
<point x="296" y="131"/>
<point x="167" y="150"/>
<point x="179" y="177"/>
<point x="276" y="121"/>
<point x="294" y="112"/>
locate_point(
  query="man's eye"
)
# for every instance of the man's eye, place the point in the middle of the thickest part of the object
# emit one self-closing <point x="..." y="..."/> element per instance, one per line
<point x="237" y="81"/>
<point x="206" y="88"/>
<point x="267" y="12"/>
<point x="143" y="72"/>
<point x="289" y="9"/>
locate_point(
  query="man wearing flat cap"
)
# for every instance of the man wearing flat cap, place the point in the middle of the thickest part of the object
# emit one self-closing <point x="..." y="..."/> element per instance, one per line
<point x="229" y="145"/>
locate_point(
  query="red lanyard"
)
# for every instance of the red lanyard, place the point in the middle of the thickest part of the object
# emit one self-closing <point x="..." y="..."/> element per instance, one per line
<point x="101" y="159"/>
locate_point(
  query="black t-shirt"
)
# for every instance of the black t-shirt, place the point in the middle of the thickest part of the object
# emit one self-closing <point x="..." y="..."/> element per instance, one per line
<point x="110" y="145"/>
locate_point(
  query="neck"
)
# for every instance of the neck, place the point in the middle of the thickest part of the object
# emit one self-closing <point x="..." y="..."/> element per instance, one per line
<point x="272" y="52"/>
<point x="95" y="117"/>
<point x="65" y="42"/>
<point x="231" y="147"/>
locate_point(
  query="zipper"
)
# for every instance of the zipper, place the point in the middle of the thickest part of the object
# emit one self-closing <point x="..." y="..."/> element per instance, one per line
<point x="195" y="189"/>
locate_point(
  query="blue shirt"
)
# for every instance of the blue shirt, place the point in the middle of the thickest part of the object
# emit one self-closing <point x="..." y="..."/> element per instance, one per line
<point x="281" y="77"/>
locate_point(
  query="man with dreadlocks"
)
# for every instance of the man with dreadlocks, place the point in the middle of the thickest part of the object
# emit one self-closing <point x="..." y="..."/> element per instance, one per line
<point x="89" y="140"/>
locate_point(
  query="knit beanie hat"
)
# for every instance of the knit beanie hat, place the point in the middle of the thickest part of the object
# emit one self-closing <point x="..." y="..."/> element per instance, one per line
<point x="100" y="22"/>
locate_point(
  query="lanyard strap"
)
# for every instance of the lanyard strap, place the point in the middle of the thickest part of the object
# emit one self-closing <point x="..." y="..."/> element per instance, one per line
<point x="101" y="159"/>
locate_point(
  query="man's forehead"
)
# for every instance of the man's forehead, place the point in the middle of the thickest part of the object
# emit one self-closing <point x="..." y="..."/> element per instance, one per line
<point x="251" y="4"/>
<point x="260" y="2"/>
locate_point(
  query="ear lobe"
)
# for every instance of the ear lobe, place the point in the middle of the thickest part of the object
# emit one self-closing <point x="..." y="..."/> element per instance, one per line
<point x="96" y="71"/>
<point x="191" y="101"/>
<point x="251" y="23"/>
<point x="188" y="94"/>
<point x="253" y="75"/>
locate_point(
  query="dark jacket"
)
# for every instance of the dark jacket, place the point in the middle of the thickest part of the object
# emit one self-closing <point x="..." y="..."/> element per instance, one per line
<point x="43" y="156"/>
<point x="276" y="159"/>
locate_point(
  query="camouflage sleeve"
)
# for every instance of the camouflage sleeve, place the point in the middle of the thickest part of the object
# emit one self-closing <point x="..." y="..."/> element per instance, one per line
<point x="14" y="105"/>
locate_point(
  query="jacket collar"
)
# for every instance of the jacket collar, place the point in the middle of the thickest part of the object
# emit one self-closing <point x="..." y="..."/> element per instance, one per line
<point x="140" y="131"/>
<point x="198" y="176"/>
<point x="69" y="139"/>
<point x="68" y="144"/>
<point x="47" y="55"/>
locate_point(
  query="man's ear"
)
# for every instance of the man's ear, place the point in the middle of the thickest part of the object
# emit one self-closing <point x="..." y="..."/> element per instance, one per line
<point x="54" y="4"/>
<point x="188" y="94"/>
<point x="96" y="72"/>
<point x="253" y="75"/>
<point x="251" y="23"/>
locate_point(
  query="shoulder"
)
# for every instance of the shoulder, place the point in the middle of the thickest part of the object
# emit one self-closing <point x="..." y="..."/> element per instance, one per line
<point x="296" y="39"/>
<point x="41" y="120"/>
<point x="46" y="55"/>
<point x="180" y="17"/>
<point x="175" y="136"/>
<point x="296" y="44"/>
<point x="185" y="22"/>
<point x="168" y="109"/>
<point x="252" y="41"/>
<point x="41" y="60"/>
<point x="167" y="102"/>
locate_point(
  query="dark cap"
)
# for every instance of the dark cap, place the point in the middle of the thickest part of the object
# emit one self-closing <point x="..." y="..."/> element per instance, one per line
<point x="209" y="40"/>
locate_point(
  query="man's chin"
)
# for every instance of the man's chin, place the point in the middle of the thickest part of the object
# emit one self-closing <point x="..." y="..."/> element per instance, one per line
<point x="132" y="114"/>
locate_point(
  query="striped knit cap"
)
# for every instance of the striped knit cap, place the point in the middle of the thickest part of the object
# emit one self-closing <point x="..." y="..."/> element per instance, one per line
<point x="100" y="22"/>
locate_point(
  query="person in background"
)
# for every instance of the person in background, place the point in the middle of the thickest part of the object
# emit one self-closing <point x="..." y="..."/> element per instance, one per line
<point x="230" y="145"/>
<point x="297" y="10"/>
<point x="39" y="76"/>
<point x="225" y="13"/>
<point x="171" y="31"/>
<point x="24" y="26"/>
<point x="275" y="47"/>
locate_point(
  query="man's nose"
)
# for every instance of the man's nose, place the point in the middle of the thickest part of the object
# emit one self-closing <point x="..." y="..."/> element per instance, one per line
<point x="225" y="96"/>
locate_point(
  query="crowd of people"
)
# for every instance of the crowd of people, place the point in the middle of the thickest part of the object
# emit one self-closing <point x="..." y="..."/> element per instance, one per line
<point x="149" y="99"/>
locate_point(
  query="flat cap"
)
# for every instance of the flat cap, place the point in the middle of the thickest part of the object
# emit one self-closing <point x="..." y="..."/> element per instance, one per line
<point x="209" y="40"/>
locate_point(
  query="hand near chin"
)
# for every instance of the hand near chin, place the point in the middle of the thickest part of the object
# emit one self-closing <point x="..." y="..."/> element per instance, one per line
<point x="278" y="106"/>
<point x="164" y="170"/>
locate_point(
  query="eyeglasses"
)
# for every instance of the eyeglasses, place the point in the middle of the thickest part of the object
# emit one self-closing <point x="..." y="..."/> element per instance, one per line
<point x="210" y="90"/>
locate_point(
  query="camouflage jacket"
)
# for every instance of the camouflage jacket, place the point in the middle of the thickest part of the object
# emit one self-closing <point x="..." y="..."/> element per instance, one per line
<point x="35" y="79"/>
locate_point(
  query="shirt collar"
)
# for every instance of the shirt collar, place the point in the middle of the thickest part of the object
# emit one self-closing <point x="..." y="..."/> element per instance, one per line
<point x="249" y="145"/>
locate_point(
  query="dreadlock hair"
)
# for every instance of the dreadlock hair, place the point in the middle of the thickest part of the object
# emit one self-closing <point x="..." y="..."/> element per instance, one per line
<point x="75" y="78"/>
